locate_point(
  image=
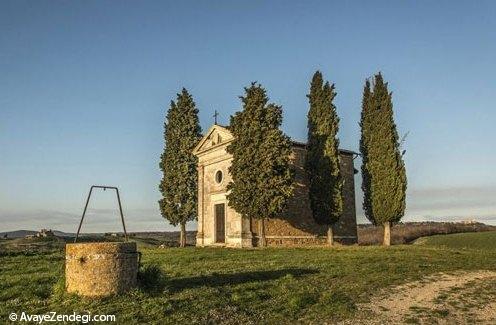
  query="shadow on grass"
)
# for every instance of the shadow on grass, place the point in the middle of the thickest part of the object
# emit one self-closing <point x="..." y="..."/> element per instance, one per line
<point x="152" y="280"/>
<point x="218" y="279"/>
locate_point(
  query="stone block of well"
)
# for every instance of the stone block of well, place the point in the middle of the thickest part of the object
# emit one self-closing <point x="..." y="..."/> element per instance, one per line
<point x="101" y="269"/>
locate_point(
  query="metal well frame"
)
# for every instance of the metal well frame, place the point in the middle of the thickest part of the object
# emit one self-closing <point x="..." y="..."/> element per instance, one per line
<point x="104" y="187"/>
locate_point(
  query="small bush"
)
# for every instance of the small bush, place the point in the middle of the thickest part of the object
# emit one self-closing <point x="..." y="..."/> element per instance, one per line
<point x="151" y="278"/>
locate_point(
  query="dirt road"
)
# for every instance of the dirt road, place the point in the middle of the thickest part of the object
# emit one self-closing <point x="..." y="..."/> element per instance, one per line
<point x="455" y="298"/>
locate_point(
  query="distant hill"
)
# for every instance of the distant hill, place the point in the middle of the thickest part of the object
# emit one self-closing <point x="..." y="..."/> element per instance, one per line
<point x="24" y="233"/>
<point x="404" y="233"/>
<point x="17" y="233"/>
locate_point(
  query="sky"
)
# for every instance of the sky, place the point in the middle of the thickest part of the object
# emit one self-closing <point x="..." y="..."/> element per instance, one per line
<point x="85" y="86"/>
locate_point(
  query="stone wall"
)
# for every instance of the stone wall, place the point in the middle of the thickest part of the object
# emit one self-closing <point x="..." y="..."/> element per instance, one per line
<point x="296" y="225"/>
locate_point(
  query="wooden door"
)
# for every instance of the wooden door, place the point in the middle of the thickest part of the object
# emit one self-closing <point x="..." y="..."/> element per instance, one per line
<point x="220" y="223"/>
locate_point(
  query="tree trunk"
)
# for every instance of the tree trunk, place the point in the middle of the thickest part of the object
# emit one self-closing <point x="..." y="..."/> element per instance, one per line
<point x="387" y="234"/>
<point x="330" y="236"/>
<point x="182" y="239"/>
<point x="261" y="231"/>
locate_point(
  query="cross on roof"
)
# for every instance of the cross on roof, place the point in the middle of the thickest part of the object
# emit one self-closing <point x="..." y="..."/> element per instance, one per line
<point x="215" y="117"/>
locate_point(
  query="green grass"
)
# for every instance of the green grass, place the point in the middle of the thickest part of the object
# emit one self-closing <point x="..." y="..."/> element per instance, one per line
<point x="194" y="285"/>
<point x="480" y="241"/>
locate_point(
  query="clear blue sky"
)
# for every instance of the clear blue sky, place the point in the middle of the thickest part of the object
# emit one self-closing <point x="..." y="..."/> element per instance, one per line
<point x="85" y="85"/>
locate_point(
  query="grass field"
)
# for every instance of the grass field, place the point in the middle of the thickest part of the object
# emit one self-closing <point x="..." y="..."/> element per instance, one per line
<point x="195" y="285"/>
<point x="481" y="241"/>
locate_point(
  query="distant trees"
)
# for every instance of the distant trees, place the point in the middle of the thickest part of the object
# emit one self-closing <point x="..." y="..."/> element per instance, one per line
<point x="322" y="160"/>
<point x="262" y="180"/>
<point x="383" y="170"/>
<point x="178" y="164"/>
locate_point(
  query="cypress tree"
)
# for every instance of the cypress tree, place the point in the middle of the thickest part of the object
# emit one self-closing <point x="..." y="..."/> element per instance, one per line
<point x="383" y="170"/>
<point x="179" y="183"/>
<point x="262" y="180"/>
<point x="322" y="160"/>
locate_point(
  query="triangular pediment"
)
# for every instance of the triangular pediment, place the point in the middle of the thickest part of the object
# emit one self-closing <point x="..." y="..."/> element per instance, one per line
<point x="216" y="136"/>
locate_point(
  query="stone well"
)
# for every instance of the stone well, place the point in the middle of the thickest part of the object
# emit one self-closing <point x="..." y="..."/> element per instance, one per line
<point x="100" y="269"/>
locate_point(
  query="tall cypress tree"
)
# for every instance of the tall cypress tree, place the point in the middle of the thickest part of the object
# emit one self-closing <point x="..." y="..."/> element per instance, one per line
<point x="262" y="180"/>
<point x="322" y="161"/>
<point x="180" y="179"/>
<point x="383" y="170"/>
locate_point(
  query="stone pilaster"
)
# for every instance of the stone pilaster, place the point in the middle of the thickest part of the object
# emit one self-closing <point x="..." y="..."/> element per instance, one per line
<point x="201" y="219"/>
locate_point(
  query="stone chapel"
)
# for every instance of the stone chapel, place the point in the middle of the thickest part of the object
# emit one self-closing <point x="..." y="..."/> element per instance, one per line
<point x="221" y="225"/>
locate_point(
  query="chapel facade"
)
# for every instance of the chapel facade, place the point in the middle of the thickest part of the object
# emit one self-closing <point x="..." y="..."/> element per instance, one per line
<point x="221" y="225"/>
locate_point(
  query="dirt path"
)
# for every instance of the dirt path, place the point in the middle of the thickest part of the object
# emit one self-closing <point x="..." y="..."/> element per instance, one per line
<point x="440" y="299"/>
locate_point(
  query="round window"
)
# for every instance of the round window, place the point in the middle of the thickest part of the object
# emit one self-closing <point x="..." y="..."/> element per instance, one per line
<point x="218" y="177"/>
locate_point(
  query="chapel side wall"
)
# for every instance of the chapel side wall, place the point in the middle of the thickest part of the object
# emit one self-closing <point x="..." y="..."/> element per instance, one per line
<point x="296" y="225"/>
